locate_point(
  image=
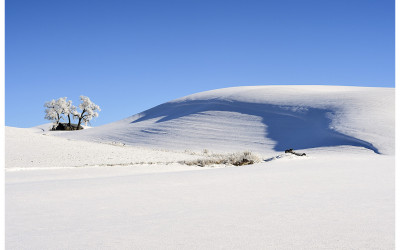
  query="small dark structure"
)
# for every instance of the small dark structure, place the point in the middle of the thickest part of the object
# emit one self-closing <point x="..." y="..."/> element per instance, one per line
<point x="295" y="153"/>
<point x="66" y="126"/>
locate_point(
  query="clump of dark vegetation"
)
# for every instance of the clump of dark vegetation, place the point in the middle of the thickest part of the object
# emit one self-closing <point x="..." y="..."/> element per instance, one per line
<point x="235" y="159"/>
<point x="66" y="126"/>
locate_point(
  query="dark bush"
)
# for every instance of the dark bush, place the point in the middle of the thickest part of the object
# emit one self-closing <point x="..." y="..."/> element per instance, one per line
<point x="66" y="126"/>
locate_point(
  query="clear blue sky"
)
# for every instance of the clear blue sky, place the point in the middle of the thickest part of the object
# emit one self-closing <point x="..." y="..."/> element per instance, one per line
<point x="128" y="56"/>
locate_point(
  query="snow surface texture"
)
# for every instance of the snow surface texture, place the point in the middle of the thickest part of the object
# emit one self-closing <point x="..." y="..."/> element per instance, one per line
<point x="26" y="149"/>
<point x="330" y="201"/>
<point x="263" y="119"/>
<point x="120" y="186"/>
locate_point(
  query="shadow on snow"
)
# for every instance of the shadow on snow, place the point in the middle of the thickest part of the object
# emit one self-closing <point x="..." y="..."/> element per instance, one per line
<point x="288" y="126"/>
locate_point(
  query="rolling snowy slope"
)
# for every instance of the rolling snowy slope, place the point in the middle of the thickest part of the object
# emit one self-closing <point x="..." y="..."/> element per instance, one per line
<point x="263" y="119"/>
<point x="124" y="186"/>
<point x="28" y="149"/>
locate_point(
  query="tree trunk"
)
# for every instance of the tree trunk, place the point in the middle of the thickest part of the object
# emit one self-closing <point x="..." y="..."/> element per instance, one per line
<point x="80" y="119"/>
<point x="79" y="123"/>
<point x="69" y="121"/>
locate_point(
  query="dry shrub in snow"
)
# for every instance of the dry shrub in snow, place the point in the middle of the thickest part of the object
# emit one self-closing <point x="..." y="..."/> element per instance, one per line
<point x="236" y="159"/>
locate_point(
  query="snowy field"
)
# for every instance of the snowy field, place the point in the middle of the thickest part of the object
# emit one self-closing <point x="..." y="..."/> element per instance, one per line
<point x="124" y="185"/>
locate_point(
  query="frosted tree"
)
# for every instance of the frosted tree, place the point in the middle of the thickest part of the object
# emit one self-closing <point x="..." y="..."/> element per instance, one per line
<point x="89" y="110"/>
<point x="53" y="111"/>
<point x="66" y="107"/>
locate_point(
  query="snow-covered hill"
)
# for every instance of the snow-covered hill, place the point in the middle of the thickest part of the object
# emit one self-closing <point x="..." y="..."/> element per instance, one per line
<point x="108" y="188"/>
<point x="263" y="119"/>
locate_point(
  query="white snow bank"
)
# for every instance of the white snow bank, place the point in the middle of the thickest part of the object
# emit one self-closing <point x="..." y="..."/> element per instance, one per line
<point x="263" y="119"/>
<point x="28" y="149"/>
<point x="42" y="128"/>
<point x="333" y="201"/>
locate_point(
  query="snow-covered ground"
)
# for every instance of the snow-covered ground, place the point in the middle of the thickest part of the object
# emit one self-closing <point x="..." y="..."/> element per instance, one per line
<point x="122" y="185"/>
